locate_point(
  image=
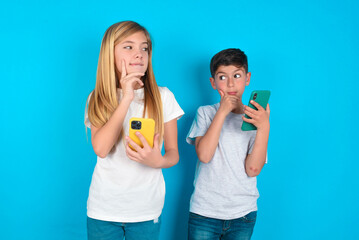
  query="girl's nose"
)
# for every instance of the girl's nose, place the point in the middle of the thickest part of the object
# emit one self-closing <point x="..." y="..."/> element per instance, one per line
<point x="138" y="54"/>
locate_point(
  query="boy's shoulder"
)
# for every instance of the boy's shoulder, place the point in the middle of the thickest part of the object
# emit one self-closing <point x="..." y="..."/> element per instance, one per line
<point x="208" y="109"/>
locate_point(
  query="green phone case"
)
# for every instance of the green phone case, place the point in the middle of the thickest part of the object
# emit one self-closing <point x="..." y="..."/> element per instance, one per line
<point x="261" y="97"/>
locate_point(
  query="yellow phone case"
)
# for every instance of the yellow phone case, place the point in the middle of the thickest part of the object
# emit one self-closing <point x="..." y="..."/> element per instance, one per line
<point x="146" y="126"/>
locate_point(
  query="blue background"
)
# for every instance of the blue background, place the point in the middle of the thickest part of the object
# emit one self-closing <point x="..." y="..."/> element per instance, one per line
<point x="304" y="51"/>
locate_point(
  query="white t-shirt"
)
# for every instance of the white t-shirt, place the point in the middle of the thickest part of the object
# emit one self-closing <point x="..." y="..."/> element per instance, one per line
<point x="123" y="190"/>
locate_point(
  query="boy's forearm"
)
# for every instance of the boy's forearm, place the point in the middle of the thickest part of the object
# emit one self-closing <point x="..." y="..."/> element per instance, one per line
<point x="256" y="160"/>
<point x="209" y="142"/>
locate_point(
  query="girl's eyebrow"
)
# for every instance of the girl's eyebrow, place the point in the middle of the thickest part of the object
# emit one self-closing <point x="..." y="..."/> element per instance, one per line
<point x="133" y="42"/>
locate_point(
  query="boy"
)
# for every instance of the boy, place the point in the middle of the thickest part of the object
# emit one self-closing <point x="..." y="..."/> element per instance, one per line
<point x="224" y="202"/>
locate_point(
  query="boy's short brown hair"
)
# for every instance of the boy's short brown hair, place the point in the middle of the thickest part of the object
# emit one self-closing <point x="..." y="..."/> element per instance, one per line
<point x="230" y="56"/>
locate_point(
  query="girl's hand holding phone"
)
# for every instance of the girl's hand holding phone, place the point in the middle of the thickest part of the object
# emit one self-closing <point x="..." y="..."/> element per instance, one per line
<point x="151" y="157"/>
<point x="129" y="81"/>
<point x="259" y="118"/>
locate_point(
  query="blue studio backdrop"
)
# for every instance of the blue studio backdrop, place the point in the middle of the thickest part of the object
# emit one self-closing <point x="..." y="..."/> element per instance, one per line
<point x="305" y="52"/>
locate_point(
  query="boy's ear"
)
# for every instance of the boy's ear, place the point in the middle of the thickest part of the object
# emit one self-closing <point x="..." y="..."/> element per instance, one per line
<point x="248" y="78"/>
<point x="212" y="83"/>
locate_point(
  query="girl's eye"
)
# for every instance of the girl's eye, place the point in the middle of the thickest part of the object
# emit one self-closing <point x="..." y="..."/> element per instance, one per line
<point x="237" y="75"/>
<point x="145" y="49"/>
<point x="128" y="47"/>
<point x="222" y="77"/>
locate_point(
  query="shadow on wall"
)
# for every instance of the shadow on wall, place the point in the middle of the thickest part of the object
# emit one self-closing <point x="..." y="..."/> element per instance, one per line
<point x="188" y="157"/>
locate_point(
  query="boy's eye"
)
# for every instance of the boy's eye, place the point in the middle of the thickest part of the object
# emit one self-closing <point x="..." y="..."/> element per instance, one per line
<point x="237" y="75"/>
<point x="222" y="77"/>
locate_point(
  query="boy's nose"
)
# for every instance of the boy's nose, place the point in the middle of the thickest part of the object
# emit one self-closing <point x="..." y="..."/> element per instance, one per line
<point x="230" y="82"/>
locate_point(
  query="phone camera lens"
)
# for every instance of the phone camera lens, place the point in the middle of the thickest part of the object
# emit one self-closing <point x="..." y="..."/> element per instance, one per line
<point x="136" y="125"/>
<point x="255" y="96"/>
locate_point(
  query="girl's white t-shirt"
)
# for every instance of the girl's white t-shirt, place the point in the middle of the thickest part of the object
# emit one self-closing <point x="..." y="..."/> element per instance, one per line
<point x="123" y="190"/>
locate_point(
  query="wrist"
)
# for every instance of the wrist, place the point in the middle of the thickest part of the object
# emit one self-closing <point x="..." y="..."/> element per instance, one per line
<point x="160" y="162"/>
<point x="264" y="129"/>
<point x="126" y="98"/>
<point x="222" y="112"/>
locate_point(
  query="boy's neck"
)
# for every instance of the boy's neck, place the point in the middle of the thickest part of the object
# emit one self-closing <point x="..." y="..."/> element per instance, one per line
<point x="239" y="109"/>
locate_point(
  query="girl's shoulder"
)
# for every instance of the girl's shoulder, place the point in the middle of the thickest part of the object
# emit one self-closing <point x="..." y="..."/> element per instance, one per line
<point x="165" y="93"/>
<point x="163" y="90"/>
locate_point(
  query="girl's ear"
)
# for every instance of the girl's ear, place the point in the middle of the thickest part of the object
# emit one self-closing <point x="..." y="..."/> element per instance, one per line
<point x="248" y="79"/>
<point x="213" y="83"/>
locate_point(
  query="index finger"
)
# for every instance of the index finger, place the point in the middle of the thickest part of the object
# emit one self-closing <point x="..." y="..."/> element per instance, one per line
<point x="132" y="145"/>
<point x="123" y="69"/>
<point x="142" y="139"/>
<point x="221" y="93"/>
<point x="256" y="105"/>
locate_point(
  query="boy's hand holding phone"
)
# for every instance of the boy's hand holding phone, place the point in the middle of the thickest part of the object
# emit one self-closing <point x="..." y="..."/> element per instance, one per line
<point x="228" y="102"/>
<point x="259" y="118"/>
<point x="257" y="111"/>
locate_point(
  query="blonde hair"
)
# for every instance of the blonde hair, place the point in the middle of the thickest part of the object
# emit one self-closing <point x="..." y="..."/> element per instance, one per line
<point x="104" y="99"/>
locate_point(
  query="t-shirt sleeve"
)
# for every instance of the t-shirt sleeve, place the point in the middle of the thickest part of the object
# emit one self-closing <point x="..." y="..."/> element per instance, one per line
<point x="171" y="108"/>
<point x="199" y="126"/>
<point x="251" y="142"/>
<point x="87" y="121"/>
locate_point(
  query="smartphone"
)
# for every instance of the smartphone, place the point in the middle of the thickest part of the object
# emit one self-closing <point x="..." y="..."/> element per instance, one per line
<point x="146" y="126"/>
<point x="261" y="97"/>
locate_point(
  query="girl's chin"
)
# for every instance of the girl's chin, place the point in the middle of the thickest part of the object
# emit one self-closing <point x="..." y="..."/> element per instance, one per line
<point x="135" y="69"/>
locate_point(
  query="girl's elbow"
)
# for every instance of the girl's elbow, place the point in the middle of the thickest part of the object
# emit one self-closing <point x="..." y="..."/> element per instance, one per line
<point x="176" y="160"/>
<point x="100" y="152"/>
<point x="101" y="155"/>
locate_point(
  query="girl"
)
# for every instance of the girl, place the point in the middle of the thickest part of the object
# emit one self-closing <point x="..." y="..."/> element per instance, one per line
<point x="127" y="190"/>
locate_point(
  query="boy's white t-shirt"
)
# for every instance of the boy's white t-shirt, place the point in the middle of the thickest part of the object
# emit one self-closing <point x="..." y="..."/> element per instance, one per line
<point x="123" y="190"/>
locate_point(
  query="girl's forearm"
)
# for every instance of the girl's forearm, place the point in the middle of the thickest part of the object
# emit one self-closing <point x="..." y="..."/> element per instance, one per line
<point x="106" y="137"/>
<point x="170" y="158"/>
